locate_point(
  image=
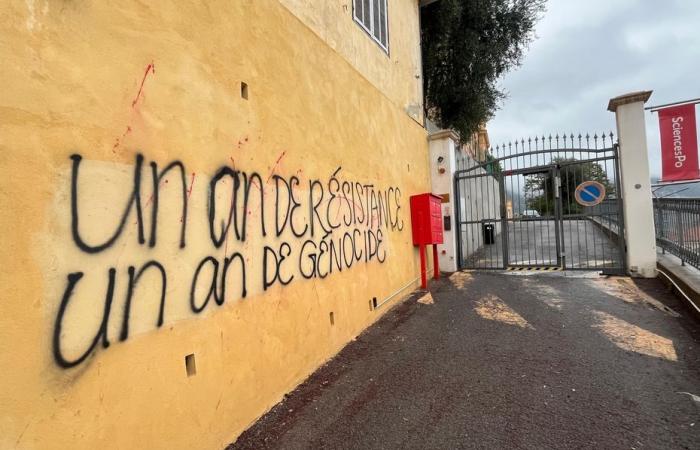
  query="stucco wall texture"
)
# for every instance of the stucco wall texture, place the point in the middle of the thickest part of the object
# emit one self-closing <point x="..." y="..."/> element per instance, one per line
<point x="397" y="73"/>
<point x="151" y="211"/>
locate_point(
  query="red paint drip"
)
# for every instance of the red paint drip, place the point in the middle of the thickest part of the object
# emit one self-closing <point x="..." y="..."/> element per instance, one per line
<point x="149" y="68"/>
<point x="119" y="140"/>
<point x="150" y="199"/>
<point x="189" y="193"/>
<point x="232" y="201"/>
<point x="274" y="168"/>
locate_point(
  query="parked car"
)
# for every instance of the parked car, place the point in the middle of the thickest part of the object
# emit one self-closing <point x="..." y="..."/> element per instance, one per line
<point x="529" y="214"/>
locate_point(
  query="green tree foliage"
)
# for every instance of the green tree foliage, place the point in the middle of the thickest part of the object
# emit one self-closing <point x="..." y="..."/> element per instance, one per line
<point x="467" y="45"/>
<point x="539" y="188"/>
<point x="492" y="167"/>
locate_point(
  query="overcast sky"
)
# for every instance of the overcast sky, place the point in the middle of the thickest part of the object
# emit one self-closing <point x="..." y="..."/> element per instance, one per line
<point x="589" y="51"/>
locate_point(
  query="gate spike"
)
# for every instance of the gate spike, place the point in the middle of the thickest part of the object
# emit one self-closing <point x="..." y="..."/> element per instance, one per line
<point x="529" y="143"/>
<point x="557" y="139"/>
<point x="588" y="140"/>
<point x="579" y="139"/>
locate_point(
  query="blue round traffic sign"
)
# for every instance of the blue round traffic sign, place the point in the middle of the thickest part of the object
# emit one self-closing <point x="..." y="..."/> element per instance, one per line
<point x="589" y="193"/>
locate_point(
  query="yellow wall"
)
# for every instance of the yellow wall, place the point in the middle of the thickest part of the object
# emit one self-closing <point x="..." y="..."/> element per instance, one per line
<point x="396" y="73"/>
<point x="88" y="86"/>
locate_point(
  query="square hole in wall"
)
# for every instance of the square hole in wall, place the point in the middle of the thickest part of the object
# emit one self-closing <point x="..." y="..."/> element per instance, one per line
<point x="371" y="305"/>
<point x="190" y="365"/>
<point x="374" y="302"/>
<point x="244" y="90"/>
<point x="332" y="318"/>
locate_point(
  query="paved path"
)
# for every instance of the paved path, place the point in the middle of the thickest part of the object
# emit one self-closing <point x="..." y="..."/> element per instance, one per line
<point x="534" y="243"/>
<point x="506" y="361"/>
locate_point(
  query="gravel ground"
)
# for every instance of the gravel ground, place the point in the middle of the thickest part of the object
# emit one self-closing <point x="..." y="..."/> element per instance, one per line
<point x="506" y="361"/>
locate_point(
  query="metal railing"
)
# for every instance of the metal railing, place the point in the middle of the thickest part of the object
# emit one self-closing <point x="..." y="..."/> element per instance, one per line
<point x="677" y="223"/>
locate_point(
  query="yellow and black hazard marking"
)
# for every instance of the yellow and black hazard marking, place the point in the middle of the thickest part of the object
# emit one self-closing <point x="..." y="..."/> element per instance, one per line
<point x="533" y="269"/>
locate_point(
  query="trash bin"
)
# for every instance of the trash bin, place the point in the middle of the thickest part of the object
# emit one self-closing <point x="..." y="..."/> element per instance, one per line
<point x="489" y="231"/>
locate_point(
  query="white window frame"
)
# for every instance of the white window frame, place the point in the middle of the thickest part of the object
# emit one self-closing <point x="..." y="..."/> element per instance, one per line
<point x="370" y="30"/>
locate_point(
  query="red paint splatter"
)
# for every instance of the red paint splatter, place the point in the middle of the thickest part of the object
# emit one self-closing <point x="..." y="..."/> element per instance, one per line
<point x="149" y="68"/>
<point x="241" y="142"/>
<point x="150" y="199"/>
<point x="119" y="140"/>
<point x="233" y="224"/>
<point x="274" y="168"/>
<point x="189" y="193"/>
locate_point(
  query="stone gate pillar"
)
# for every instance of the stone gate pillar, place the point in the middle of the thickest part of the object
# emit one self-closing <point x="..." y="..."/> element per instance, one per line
<point x="442" y="168"/>
<point x="636" y="183"/>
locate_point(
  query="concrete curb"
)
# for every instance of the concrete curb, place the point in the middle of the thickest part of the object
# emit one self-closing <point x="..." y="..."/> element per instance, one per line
<point x="686" y="278"/>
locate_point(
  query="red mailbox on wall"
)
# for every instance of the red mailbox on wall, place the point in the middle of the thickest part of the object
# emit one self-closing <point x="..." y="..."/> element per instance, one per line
<point x="426" y="226"/>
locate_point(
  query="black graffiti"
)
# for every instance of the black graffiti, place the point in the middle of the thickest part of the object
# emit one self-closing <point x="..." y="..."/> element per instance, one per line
<point x="291" y="206"/>
<point x="134" y="277"/>
<point x="339" y="223"/>
<point x="157" y="177"/>
<point x="73" y="280"/>
<point x="236" y="216"/>
<point x="319" y="259"/>
<point x="134" y="202"/>
<point x="101" y="334"/>
<point x="219" y="295"/>
<point x="279" y="258"/>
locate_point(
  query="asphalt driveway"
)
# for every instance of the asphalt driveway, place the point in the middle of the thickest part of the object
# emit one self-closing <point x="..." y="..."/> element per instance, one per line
<point x="534" y="243"/>
<point x="506" y="361"/>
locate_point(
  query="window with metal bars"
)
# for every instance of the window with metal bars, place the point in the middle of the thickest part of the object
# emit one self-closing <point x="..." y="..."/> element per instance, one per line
<point x="372" y="16"/>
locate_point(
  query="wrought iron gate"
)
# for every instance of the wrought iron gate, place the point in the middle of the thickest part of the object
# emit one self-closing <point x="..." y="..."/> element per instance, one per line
<point x="518" y="209"/>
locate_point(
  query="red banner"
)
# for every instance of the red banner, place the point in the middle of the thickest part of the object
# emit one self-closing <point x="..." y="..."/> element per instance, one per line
<point x="679" y="143"/>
